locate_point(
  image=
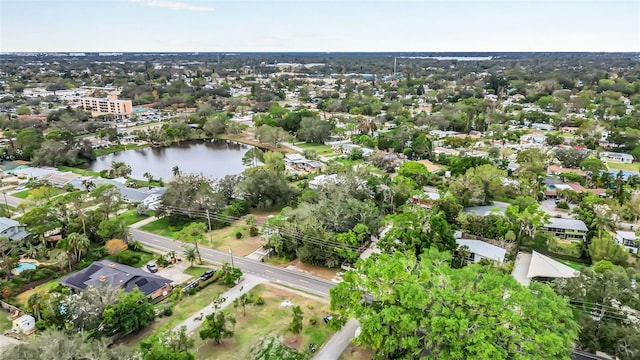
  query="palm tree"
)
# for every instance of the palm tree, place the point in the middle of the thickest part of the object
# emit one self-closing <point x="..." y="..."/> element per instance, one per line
<point x="34" y="303"/>
<point x="149" y="177"/>
<point x="175" y="170"/>
<point x="78" y="243"/>
<point x="77" y="201"/>
<point x="172" y="254"/>
<point x="253" y="157"/>
<point x="64" y="259"/>
<point x="191" y="254"/>
<point x="6" y="248"/>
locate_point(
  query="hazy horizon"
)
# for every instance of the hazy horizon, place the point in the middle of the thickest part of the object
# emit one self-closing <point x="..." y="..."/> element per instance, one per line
<point x="278" y="26"/>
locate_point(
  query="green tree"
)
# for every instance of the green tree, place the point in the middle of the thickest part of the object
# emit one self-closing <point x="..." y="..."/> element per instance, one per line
<point x="415" y="171"/>
<point x="109" y="198"/>
<point x="193" y="233"/>
<point x="131" y="312"/>
<point x="605" y="306"/>
<point x="34" y="304"/>
<point x="295" y="326"/>
<point x="119" y="169"/>
<point x="608" y="249"/>
<point x="217" y="326"/>
<point x="191" y="254"/>
<point x="415" y="230"/>
<point x="56" y="344"/>
<point x="78" y="243"/>
<point x="252" y="157"/>
<point x="410" y="309"/>
<point x="170" y="345"/>
<point x="113" y="228"/>
<point x="274" y="161"/>
<point x="230" y="275"/>
<point x="527" y="217"/>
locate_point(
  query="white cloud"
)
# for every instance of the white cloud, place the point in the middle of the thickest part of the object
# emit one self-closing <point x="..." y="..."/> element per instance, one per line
<point x="173" y="5"/>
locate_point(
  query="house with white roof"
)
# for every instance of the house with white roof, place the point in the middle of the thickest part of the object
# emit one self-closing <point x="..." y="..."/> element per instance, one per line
<point x="628" y="239"/>
<point x="479" y="250"/>
<point x="617" y="157"/>
<point x="535" y="265"/>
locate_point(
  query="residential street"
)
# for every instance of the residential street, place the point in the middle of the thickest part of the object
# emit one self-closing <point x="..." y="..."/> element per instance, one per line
<point x="278" y="275"/>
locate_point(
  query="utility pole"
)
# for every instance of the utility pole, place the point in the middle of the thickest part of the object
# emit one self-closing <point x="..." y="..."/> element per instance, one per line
<point x="209" y="222"/>
<point x="6" y="204"/>
<point x="231" y="253"/>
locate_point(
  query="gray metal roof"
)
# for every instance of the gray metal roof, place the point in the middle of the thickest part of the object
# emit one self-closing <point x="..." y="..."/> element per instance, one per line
<point x="568" y="224"/>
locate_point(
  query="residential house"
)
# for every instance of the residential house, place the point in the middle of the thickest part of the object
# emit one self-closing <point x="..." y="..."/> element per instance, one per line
<point x="559" y="170"/>
<point x="426" y="199"/>
<point x="299" y="162"/>
<point x="347" y="148"/>
<point x="540" y="267"/>
<point x="543" y="127"/>
<point x="119" y="276"/>
<point x="629" y="240"/>
<point x="431" y="167"/>
<point x="486" y="210"/>
<point x="567" y="229"/>
<point x="617" y="157"/>
<point x="479" y="250"/>
<point x="12" y="229"/>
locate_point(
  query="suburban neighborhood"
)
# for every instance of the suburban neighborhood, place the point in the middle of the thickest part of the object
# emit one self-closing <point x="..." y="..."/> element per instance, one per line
<point x="283" y="207"/>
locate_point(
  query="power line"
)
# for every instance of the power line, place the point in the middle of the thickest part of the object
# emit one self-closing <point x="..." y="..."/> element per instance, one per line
<point x="279" y="229"/>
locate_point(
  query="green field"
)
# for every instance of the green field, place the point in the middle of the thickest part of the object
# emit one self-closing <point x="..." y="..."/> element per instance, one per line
<point x="163" y="227"/>
<point x="268" y="319"/>
<point x="22" y="194"/>
<point x="131" y="217"/>
<point x="118" y="148"/>
<point x="187" y="306"/>
<point x="44" y="288"/>
<point x="321" y="149"/>
<point x="625" y="167"/>
<point x="78" y="171"/>
<point x="196" y="271"/>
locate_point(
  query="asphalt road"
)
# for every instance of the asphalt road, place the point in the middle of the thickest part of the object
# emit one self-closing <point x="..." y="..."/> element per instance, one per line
<point x="11" y="200"/>
<point x="278" y="275"/>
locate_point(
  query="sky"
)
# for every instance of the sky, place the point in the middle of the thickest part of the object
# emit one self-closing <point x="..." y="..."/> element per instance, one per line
<point x="319" y="25"/>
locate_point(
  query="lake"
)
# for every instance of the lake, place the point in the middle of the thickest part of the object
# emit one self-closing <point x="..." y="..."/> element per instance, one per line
<point x="213" y="158"/>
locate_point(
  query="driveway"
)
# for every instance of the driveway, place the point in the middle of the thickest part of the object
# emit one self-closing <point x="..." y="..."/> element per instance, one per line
<point x="549" y="206"/>
<point x="175" y="273"/>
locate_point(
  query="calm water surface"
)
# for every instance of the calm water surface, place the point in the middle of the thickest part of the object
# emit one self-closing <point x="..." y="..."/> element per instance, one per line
<point x="213" y="158"/>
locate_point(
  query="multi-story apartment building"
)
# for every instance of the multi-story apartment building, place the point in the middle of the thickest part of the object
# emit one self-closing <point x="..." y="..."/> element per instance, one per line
<point x="110" y="105"/>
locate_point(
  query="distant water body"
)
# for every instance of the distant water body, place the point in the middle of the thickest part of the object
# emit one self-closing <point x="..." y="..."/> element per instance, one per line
<point x="458" y="58"/>
<point x="212" y="158"/>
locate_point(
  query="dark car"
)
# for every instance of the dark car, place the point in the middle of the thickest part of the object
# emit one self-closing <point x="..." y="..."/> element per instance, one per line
<point x="152" y="268"/>
<point x="207" y="275"/>
<point x="327" y="319"/>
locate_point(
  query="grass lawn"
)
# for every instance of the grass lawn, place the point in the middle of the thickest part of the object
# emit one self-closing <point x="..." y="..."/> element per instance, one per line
<point x="22" y="194"/>
<point x="163" y="227"/>
<point x="196" y="271"/>
<point x="131" y="217"/>
<point x="268" y="319"/>
<point x="118" y="148"/>
<point x="5" y="322"/>
<point x="82" y="172"/>
<point x="225" y="238"/>
<point x="186" y="307"/>
<point x="572" y="264"/>
<point x="624" y="167"/>
<point x="321" y="149"/>
<point x="44" y="288"/>
<point x="354" y="352"/>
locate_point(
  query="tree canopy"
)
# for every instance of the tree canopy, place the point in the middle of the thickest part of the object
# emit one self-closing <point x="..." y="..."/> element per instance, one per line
<point x="410" y="308"/>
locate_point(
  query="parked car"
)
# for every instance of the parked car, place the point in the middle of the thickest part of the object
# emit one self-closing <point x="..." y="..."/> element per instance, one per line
<point x="153" y="268"/>
<point x="189" y="286"/>
<point x="207" y="275"/>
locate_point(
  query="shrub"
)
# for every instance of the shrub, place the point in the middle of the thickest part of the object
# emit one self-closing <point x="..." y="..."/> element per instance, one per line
<point x="562" y="205"/>
<point x="259" y="301"/>
<point x="191" y="291"/>
<point x="115" y="246"/>
<point x="253" y="231"/>
<point x="41" y="325"/>
<point x="238" y="235"/>
<point x="167" y="311"/>
<point x="127" y="257"/>
<point x="313" y="320"/>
